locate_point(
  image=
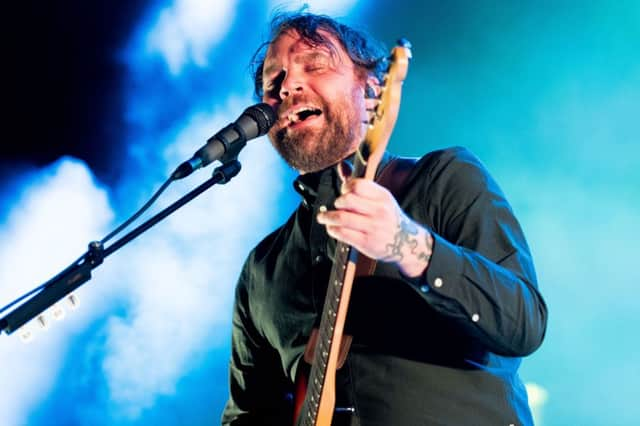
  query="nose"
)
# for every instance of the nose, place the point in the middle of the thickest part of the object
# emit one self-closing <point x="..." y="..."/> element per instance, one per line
<point x="291" y="83"/>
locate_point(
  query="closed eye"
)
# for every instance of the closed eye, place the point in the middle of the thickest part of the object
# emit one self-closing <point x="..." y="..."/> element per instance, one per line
<point x="272" y="88"/>
<point x="315" y="66"/>
<point x="316" y="61"/>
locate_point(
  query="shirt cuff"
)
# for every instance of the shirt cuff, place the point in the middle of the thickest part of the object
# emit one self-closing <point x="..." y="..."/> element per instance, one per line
<point x="444" y="269"/>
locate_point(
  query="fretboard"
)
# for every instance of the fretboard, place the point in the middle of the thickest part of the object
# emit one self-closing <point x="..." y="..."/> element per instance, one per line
<point x="326" y="343"/>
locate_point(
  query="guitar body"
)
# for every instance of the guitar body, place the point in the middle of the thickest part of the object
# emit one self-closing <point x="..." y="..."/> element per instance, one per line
<point x="304" y="369"/>
<point x="300" y="390"/>
<point x="327" y="349"/>
<point x="325" y="415"/>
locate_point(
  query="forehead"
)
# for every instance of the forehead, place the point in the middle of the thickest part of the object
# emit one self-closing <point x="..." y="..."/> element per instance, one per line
<point x="291" y="46"/>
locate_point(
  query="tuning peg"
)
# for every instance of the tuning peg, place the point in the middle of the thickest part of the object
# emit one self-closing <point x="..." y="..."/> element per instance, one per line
<point x="42" y="321"/>
<point x="57" y="312"/>
<point x="73" y="301"/>
<point x="404" y="42"/>
<point x="25" y="333"/>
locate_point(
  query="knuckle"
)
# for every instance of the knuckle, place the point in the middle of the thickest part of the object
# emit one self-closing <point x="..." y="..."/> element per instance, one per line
<point x="381" y="211"/>
<point x="340" y="218"/>
<point x="357" y="185"/>
<point x="366" y="240"/>
<point x="343" y="200"/>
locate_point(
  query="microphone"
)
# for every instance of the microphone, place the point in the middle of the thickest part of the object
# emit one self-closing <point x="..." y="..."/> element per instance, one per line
<point x="253" y="122"/>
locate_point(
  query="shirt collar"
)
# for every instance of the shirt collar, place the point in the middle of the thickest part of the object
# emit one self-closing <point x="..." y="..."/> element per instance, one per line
<point x="309" y="185"/>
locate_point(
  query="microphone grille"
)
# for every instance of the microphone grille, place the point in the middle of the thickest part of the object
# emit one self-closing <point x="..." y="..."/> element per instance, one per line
<point x="263" y="115"/>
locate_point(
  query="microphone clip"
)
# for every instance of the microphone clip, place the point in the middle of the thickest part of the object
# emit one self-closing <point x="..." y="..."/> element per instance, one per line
<point x="231" y="150"/>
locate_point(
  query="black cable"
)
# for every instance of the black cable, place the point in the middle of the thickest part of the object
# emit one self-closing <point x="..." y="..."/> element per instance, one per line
<point x="104" y="240"/>
<point x="42" y="286"/>
<point x="138" y="213"/>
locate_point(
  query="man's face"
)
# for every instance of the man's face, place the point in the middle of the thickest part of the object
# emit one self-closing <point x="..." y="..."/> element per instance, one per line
<point x="319" y="99"/>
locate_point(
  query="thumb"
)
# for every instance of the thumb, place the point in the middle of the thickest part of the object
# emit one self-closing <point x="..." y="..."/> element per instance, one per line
<point x="345" y="169"/>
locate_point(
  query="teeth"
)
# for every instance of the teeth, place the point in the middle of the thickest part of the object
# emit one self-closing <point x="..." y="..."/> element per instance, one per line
<point x="294" y="116"/>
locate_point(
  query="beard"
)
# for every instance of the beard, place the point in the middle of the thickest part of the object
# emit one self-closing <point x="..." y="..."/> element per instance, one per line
<point x="311" y="149"/>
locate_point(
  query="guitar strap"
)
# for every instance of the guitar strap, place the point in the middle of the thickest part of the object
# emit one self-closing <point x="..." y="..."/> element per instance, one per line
<point x="393" y="176"/>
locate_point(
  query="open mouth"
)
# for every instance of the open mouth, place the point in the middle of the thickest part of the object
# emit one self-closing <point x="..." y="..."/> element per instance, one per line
<point x="301" y="114"/>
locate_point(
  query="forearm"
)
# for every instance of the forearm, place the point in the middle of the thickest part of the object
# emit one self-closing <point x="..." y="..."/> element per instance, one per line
<point x="455" y="238"/>
<point x="411" y="248"/>
<point x="488" y="299"/>
<point x="497" y="302"/>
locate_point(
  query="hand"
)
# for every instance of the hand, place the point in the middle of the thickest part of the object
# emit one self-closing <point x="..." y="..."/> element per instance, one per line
<point x="368" y="218"/>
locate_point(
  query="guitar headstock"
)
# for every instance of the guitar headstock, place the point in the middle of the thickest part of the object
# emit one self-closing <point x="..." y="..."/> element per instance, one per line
<point x="385" y="114"/>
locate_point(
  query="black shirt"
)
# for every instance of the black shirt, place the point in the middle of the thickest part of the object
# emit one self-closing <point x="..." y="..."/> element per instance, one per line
<point x="437" y="350"/>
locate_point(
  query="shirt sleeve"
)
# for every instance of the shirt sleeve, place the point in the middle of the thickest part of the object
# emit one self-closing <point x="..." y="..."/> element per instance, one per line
<point x="481" y="274"/>
<point x="258" y="389"/>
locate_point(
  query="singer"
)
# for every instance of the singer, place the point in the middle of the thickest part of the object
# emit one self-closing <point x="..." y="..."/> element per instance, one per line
<point x="439" y="328"/>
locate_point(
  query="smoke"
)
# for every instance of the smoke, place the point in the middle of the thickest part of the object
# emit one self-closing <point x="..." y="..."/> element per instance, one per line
<point x="176" y="282"/>
<point x="185" y="31"/>
<point x="53" y="216"/>
<point x="155" y="309"/>
<point x="181" y="281"/>
<point x="329" y="7"/>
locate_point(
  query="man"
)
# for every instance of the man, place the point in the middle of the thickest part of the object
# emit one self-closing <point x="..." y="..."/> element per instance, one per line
<point x="439" y="328"/>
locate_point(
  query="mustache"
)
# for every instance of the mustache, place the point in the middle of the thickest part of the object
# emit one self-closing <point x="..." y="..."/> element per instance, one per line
<point x="297" y="98"/>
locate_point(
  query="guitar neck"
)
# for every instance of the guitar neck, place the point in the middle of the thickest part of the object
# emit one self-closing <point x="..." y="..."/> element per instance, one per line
<point x="332" y="321"/>
<point x="319" y="401"/>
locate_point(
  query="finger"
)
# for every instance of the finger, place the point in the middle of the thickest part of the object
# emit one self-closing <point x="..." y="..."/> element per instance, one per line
<point x="345" y="170"/>
<point x="367" y="189"/>
<point x="361" y="241"/>
<point x="355" y="203"/>
<point x="345" y="219"/>
<point x="348" y="236"/>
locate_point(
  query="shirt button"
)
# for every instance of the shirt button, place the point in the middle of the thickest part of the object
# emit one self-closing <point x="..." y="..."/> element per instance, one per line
<point x="424" y="288"/>
<point x="437" y="282"/>
<point x="318" y="258"/>
<point x="475" y="317"/>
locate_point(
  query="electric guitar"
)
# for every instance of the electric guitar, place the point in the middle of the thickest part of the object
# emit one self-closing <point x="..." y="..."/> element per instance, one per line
<point x="315" y="395"/>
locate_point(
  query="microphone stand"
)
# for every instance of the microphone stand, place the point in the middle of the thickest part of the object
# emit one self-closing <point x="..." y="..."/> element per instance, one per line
<point x="79" y="273"/>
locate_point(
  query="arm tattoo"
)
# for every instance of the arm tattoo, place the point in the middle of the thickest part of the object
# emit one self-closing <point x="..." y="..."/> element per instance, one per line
<point x="426" y="256"/>
<point x="406" y="236"/>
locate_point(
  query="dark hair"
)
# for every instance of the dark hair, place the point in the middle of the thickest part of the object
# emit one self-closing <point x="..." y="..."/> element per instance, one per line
<point x="366" y="53"/>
